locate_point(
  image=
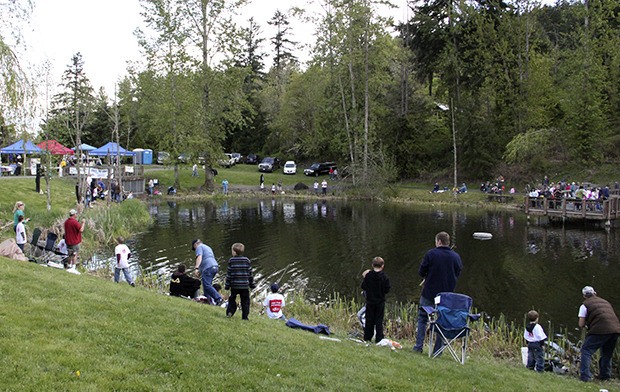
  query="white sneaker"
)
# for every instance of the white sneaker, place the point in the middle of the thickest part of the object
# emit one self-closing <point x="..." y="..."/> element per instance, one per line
<point x="74" y="271"/>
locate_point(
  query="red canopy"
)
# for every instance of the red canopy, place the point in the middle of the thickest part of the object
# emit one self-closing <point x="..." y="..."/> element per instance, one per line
<point x="54" y="147"/>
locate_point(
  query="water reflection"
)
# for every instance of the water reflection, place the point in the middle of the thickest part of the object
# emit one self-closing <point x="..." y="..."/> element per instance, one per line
<point x="322" y="247"/>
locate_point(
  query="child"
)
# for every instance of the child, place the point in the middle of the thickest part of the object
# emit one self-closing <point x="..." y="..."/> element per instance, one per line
<point x="376" y="284"/>
<point x="239" y="281"/>
<point x="20" y="233"/>
<point x="122" y="262"/>
<point x="535" y="337"/>
<point x="274" y="303"/>
<point x="182" y="285"/>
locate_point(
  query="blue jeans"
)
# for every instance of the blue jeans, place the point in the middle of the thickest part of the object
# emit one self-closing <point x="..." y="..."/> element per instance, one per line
<point x="535" y="356"/>
<point x="607" y="344"/>
<point x="421" y="330"/>
<point x="117" y="275"/>
<point x="206" y="276"/>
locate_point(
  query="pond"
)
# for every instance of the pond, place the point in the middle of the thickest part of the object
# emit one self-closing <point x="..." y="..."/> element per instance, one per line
<point x="322" y="247"/>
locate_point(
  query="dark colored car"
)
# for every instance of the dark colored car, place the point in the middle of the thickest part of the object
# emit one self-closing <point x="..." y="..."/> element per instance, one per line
<point x="252" y="159"/>
<point x="316" y="169"/>
<point x="269" y="164"/>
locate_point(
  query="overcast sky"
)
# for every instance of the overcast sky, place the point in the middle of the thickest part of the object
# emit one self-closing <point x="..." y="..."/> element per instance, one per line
<point x="103" y="32"/>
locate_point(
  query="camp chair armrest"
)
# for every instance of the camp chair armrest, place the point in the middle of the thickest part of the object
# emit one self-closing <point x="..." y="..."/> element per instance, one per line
<point x="429" y="309"/>
<point x="474" y="317"/>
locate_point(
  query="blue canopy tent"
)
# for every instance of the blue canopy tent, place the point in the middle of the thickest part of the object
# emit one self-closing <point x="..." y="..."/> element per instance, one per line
<point x="111" y="149"/>
<point x="21" y="147"/>
<point x="18" y="148"/>
<point x="85" y="147"/>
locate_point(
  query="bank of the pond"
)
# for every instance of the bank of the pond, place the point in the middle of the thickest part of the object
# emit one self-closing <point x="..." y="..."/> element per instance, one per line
<point x="67" y="332"/>
<point x="106" y="221"/>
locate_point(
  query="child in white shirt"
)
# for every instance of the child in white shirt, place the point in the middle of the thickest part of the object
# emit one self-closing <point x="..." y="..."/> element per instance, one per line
<point x="274" y="303"/>
<point x="20" y="233"/>
<point x="535" y="337"/>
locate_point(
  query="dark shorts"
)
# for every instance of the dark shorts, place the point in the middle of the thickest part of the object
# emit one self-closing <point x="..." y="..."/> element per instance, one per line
<point x="73" y="249"/>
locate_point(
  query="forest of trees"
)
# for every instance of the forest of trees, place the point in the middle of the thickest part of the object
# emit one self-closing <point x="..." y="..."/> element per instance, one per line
<point x="507" y="83"/>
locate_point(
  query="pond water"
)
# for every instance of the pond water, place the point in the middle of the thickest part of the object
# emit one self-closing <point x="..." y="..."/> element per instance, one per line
<point x="322" y="248"/>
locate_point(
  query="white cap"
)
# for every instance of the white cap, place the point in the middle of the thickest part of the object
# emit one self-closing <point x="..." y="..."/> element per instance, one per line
<point x="588" y="290"/>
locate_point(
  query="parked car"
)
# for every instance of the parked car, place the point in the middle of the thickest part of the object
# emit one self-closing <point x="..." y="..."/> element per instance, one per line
<point x="316" y="169"/>
<point x="290" y="167"/>
<point x="163" y="157"/>
<point x="252" y="159"/>
<point x="269" y="164"/>
<point x="184" y="158"/>
<point x="237" y="157"/>
<point x="226" y="160"/>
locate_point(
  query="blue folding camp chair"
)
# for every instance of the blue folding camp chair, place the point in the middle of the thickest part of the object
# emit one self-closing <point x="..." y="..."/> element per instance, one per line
<point x="449" y="323"/>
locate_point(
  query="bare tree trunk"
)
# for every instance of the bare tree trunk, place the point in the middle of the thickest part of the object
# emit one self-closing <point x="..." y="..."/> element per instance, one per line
<point x="366" y="106"/>
<point x="347" y="126"/>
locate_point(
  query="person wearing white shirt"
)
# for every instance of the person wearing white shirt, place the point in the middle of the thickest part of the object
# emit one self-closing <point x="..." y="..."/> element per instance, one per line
<point x="599" y="317"/>
<point x="123" y="254"/>
<point x="535" y="337"/>
<point x="274" y="303"/>
<point x="20" y="233"/>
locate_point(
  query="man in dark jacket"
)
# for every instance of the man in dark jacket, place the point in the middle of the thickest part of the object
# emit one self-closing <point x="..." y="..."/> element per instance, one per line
<point x="182" y="285"/>
<point x="239" y="281"/>
<point x="603" y="330"/>
<point x="440" y="270"/>
<point x="376" y="285"/>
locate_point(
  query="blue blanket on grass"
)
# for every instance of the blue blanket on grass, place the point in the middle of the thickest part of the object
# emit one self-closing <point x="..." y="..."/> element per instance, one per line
<point x="321" y="328"/>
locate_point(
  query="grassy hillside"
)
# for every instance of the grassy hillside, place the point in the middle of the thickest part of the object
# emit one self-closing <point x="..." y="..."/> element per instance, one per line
<point x="65" y="332"/>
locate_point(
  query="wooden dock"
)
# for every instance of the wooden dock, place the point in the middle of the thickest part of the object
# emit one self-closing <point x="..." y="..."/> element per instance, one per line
<point x="574" y="209"/>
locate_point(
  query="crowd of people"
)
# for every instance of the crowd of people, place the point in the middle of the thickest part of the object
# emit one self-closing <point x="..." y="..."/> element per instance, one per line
<point x="439" y="269"/>
<point x="564" y="189"/>
<point x="239" y="281"/>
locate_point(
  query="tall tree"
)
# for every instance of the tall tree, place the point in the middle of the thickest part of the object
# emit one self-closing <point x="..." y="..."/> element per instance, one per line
<point x="15" y="86"/>
<point x="167" y="56"/>
<point x="249" y="136"/>
<point x="355" y="47"/>
<point x="71" y="110"/>
<point x="282" y="44"/>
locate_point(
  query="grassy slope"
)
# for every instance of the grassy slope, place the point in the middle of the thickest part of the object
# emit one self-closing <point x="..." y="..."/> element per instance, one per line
<point x="55" y="324"/>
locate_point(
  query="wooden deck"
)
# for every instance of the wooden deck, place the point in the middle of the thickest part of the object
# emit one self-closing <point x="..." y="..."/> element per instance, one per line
<point x="574" y="209"/>
<point x="501" y="198"/>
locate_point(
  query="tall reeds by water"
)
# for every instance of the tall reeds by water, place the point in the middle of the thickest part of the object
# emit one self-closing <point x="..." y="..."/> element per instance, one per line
<point x="494" y="337"/>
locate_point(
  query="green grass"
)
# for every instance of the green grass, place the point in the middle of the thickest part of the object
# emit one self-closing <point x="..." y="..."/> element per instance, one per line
<point x="104" y="222"/>
<point x="238" y="175"/>
<point x="66" y="332"/>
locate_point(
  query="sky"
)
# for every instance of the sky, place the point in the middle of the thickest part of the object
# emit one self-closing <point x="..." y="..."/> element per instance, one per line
<point x="103" y="32"/>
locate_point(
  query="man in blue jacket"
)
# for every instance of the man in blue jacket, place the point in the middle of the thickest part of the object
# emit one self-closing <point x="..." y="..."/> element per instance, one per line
<point x="440" y="270"/>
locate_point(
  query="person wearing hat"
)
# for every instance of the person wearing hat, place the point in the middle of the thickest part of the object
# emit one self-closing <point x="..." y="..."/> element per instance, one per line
<point x="274" y="303"/>
<point x="598" y="316"/>
<point x="73" y="237"/>
<point x="206" y="267"/>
